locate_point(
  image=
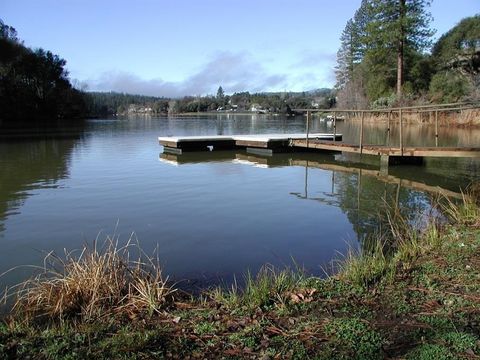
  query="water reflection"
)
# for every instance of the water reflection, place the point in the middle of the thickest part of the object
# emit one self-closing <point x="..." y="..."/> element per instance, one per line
<point x="30" y="164"/>
<point x="360" y="190"/>
<point x="213" y="214"/>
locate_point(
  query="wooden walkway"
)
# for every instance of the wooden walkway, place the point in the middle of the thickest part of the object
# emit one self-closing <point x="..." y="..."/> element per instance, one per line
<point x="382" y="150"/>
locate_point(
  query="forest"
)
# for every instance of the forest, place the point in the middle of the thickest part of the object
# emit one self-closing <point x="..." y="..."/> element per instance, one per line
<point x="34" y="84"/>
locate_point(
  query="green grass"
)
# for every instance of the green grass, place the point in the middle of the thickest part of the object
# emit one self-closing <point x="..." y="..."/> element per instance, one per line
<point x="268" y="289"/>
<point x="356" y="338"/>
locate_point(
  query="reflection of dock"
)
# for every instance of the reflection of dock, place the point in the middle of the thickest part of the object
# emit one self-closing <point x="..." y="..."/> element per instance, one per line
<point x="324" y="162"/>
<point x="381" y="176"/>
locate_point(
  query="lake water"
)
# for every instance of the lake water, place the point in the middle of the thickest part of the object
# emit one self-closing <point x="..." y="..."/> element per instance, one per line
<point x="211" y="214"/>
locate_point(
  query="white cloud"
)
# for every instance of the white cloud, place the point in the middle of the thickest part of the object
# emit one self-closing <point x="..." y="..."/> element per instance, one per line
<point x="233" y="71"/>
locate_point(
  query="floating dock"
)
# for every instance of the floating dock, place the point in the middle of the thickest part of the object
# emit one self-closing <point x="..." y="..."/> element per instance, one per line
<point x="264" y="143"/>
<point x="267" y="144"/>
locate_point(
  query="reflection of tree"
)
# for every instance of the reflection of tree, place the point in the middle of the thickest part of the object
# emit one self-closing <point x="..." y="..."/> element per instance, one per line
<point x="30" y="164"/>
<point x="365" y="200"/>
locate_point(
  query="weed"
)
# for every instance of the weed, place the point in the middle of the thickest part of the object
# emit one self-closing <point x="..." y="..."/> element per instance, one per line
<point x="355" y="338"/>
<point x="366" y="268"/>
<point x="460" y="342"/>
<point x="270" y="287"/>
<point x="430" y="352"/>
<point x="204" y="328"/>
<point x="467" y="212"/>
<point x="92" y="285"/>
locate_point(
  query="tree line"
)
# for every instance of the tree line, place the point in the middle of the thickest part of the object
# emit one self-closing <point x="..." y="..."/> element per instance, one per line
<point x="386" y="57"/>
<point x="110" y="103"/>
<point x="34" y="84"/>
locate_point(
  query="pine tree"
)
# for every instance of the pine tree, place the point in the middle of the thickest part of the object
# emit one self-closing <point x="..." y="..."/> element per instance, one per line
<point x="353" y="45"/>
<point x="220" y="93"/>
<point x="398" y="26"/>
<point x="345" y="56"/>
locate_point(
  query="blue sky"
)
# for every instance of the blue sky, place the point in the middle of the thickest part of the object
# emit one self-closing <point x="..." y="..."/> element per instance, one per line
<point x="190" y="47"/>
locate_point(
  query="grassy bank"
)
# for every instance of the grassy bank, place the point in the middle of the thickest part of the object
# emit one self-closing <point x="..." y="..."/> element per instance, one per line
<point x="417" y="298"/>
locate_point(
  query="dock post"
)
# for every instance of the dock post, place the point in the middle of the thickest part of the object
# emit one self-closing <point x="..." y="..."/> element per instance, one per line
<point x="401" y="135"/>
<point x="334" y="125"/>
<point x="361" y="132"/>
<point x="308" y="126"/>
<point x="384" y="163"/>
<point x="436" y="128"/>
<point x="388" y="127"/>
<point x="359" y="188"/>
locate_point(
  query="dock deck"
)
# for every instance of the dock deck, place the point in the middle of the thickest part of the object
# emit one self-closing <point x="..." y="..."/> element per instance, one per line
<point x="268" y="142"/>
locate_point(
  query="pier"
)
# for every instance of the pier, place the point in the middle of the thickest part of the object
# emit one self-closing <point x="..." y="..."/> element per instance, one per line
<point x="267" y="144"/>
<point x="261" y="143"/>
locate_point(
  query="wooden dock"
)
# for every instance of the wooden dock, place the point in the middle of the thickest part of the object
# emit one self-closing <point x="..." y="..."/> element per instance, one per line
<point x="266" y="144"/>
<point x="261" y="143"/>
<point x="380" y="150"/>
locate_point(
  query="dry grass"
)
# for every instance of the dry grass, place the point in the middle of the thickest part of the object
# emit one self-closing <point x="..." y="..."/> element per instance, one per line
<point x="97" y="282"/>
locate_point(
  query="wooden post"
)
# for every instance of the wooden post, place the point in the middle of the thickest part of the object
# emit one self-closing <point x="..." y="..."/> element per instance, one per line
<point x="333" y="182"/>
<point x="308" y="126"/>
<point x="306" y="180"/>
<point x="436" y="128"/>
<point x="334" y="125"/>
<point x="401" y="135"/>
<point x="388" y="127"/>
<point x="361" y="132"/>
<point x="359" y="188"/>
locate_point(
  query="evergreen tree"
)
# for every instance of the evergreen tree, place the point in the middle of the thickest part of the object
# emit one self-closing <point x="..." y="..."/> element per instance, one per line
<point x="460" y="47"/>
<point x="346" y="56"/>
<point x="220" y="93"/>
<point x="398" y="27"/>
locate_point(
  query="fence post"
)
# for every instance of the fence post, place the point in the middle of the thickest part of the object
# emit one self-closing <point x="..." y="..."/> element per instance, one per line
<point x="436" y="128"/>
<point x="361" y="132"/>
<point x="388" y="127"/>
<point x="308" y="126"/>
<point x="401" y="130"/>
<point x="334" y="125"/>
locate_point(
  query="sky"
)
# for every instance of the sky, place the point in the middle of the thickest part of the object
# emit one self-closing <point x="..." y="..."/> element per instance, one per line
<point x="175" y="48"/>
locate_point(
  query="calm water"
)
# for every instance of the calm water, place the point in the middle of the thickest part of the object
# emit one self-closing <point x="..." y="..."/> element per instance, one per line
<point x="211" y="214"/>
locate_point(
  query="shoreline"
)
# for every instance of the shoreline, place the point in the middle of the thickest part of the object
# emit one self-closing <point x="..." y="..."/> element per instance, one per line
<point x="418" y="299"/>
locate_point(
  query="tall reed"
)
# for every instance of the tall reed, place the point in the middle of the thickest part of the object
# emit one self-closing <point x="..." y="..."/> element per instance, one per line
<point x="98" y="282"/>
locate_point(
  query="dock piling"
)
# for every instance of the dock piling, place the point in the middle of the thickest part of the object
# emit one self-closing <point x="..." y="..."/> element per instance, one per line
<point x="307" y="126"/>
<point x="361" y="132"/>
<point x="334" y="125"/>
<point x="401" y="130"/>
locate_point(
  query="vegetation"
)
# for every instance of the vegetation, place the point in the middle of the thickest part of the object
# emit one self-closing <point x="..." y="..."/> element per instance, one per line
<point x="97" y="283"/>
<point x="34" y="84"/>
<point x="416" y="298"/>
<point x="383" y="58"/>
<point x="102" y="104"/>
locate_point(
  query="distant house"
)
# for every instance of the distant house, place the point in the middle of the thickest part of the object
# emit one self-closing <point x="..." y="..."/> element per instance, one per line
<point x="255" y="107"/>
